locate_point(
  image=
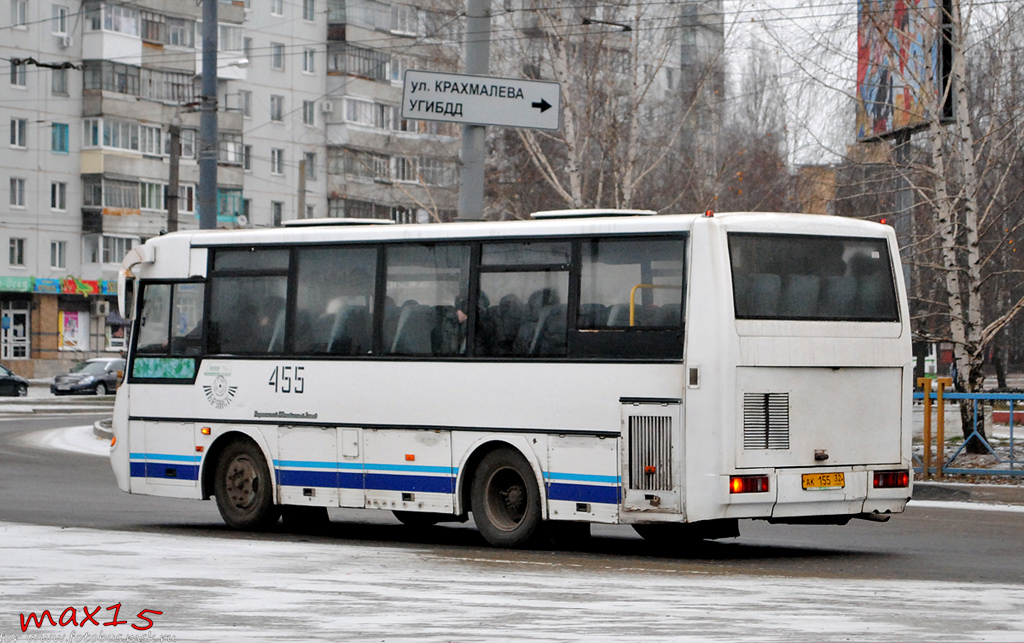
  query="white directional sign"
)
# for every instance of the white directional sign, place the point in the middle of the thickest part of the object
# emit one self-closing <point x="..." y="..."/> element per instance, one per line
<point x="481" y="100"/>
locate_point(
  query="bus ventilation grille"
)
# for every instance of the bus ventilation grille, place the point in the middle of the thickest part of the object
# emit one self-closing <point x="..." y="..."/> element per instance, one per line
<point x="650" y="452"/>
<point x="766" y="420"/>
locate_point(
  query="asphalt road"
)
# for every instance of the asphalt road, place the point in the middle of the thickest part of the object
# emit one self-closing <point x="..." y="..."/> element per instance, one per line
<point x="47" y="487"/>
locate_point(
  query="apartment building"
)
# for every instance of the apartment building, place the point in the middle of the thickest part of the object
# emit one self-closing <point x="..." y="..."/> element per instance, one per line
<point x="309" y="126"/>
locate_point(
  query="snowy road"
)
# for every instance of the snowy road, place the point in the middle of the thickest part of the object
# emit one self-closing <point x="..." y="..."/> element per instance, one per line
<point x="237" y="590"/>
<point x="355" y="585"/>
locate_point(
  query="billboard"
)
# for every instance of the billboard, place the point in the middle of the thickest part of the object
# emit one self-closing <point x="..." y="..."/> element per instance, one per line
<point x="895" y="38"/>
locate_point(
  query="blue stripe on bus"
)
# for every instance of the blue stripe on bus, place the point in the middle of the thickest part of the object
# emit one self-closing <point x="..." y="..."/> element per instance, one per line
<point x="583" y="493"/>
<point x="425" y="484"/>
<point x="165" y="456"/>
<point x="177" y="471"/>
<point x="354" y="475"/>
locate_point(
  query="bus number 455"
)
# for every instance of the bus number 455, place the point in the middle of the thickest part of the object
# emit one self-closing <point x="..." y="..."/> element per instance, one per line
<point x="287" y="379"/>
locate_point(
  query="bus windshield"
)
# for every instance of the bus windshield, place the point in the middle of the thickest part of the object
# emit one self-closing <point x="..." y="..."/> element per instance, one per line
<point x="814" y="278"/>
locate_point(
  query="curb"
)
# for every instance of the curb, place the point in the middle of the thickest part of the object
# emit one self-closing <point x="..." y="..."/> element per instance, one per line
<point x="960" y="492"/>
<point x="102" y="429"/>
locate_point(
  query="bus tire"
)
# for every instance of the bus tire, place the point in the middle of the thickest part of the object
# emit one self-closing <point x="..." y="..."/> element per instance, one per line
<point x="244" y="488"/>
<point x="506" y="500"/>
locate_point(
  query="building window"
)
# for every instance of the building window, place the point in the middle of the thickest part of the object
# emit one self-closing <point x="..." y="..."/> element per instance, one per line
<point x="308" y="115"/>
<point x="276" y="55"/>
<point x="247" y="209"/>
<point x="277" y="7"/>
<point x="308" y="10"/>
<point x="404" y="20"/>
<point x="60" y="20"/>
<point x="59" y="138"/>
<point x="19" y="76"/>
<point x="154" y="27"/>
<point x="181" y="32"/>
<point x="230" y="148"/>
<point x="19" y="13"/>
<point x="277" y="108"/>
<point x="59" y="82"/>
<point x="310" y="211"/>
<point x="58" y="196"/>
<point x="58" y="255"/>
<point x="310" y="158"/>
<point x="188" y="143"/>
<point x="121" y="195"/>
<point x="19" y="132"/>
<point x="247" y="157"/>
<point x="308" y="61"/>
<point x="245" y="103"/>
<point x="115" y="248"/>
<point x="247" y="47"/>
<point x="186" y="198"/>
<point x="152" y="140"/>
<point x="112" y="77"/>
<point x="346" y="58"/>
<point x="17" y="252"/>
<point x="17" y="192"/>
<point x="151" y="196"/>
<point x="277" y="212"/>
<point x="110" y="132"/>
<point x="277" y="161"/>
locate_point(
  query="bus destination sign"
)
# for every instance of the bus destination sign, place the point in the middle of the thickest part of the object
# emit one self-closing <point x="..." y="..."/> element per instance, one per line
<point x="481" y="100"/>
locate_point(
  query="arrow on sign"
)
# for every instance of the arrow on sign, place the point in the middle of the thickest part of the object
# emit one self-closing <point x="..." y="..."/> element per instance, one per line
<point x="543" y="105"/>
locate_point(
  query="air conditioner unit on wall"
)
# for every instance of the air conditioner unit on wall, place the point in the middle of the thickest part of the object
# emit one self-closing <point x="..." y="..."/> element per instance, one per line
<point x="64" y="41"/>
<point x="100" y="307"/>
<point x="327" y="107"/>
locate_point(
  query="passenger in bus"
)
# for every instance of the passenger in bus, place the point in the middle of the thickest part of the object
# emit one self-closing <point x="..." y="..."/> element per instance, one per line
<point x="506" y="318"/>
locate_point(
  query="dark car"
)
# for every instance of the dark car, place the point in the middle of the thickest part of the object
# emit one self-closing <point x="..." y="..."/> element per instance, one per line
<point x="97" y="376"/>
<point x="11" y="384"/>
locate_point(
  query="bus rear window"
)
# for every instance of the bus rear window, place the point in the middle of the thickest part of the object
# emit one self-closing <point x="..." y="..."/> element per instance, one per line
<point x="812" y="278"/>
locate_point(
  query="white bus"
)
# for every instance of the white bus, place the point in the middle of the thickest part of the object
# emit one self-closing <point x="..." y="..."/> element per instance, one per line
<point x="676" y="373"/>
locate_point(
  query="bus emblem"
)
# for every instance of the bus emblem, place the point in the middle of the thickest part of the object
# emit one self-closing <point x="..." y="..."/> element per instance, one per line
<point x="220" y="394"/>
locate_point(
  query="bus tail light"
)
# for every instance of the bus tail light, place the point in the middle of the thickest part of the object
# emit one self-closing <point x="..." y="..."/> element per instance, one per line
<point x="892" y="479"/>
<point x="748" y="484"/>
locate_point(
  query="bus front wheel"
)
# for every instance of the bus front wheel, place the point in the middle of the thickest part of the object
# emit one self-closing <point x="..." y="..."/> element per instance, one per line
<point x="244" y="489"/>
<point x="506" y="499"/>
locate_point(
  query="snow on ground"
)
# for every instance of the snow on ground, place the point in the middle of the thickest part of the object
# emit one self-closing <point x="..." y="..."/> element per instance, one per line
<point x="229" y="589"/>
<point x="77" y="439"/>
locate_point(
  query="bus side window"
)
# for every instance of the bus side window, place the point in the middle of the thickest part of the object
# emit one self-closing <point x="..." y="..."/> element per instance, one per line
<point x="631" y="283"/>
<point x="431" y="282"/>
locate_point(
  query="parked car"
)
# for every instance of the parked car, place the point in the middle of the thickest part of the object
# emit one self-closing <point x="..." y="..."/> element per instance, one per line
<point x="11" y="384"/>
<point x="98" y="376"/>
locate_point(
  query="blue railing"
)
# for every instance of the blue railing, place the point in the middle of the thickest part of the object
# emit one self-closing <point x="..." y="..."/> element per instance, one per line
<point x="1008" y="464"/>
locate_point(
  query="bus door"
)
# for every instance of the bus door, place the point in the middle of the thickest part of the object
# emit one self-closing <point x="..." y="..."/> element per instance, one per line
<point x="652" y="455"/>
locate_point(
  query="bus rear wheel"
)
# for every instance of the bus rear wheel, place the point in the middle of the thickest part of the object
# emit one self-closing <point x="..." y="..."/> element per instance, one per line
<point x="506" y="499"/>
<point x="244" y="489"/>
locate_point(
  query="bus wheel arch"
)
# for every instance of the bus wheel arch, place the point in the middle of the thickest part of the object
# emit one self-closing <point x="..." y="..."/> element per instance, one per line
<point x="243" y="484"/>
<point x="506" y="498"/>
<point x="477" y="452"/>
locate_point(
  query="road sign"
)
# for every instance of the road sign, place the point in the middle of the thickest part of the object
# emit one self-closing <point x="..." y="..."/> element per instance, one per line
<point x="481" y="100"/>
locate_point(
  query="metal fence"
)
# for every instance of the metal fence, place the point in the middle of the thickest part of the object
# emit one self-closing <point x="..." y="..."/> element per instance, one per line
<point x="999" y="443"/>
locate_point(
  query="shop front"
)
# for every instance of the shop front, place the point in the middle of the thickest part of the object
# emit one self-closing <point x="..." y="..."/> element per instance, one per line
<point x="47" y="325"/>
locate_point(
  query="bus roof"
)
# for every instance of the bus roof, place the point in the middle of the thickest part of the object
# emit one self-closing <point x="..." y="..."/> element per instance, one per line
<point x="178" y="243"/>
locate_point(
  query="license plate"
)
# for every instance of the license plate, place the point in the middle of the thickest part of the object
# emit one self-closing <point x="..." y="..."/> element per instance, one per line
<point x="815" y="481"/>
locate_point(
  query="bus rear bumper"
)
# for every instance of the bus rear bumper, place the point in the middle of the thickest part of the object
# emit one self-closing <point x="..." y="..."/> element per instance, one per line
<point x="805" y="493"/>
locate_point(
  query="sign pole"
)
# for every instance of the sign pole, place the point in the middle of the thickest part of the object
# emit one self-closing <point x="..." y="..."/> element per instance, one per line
<point x="477" y="52"/>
